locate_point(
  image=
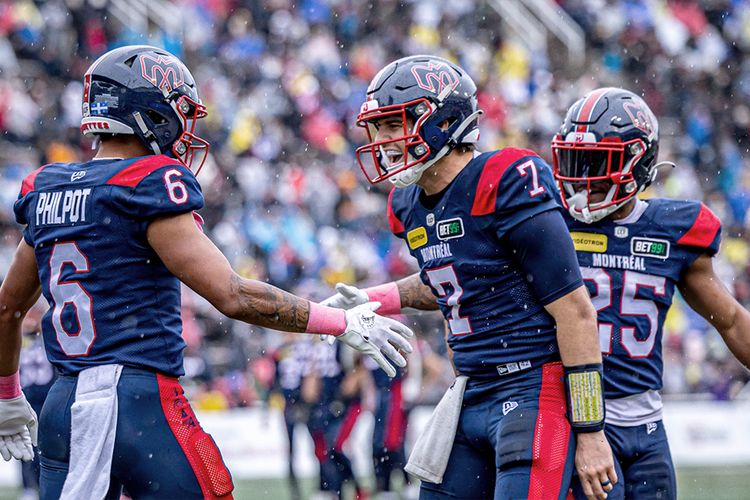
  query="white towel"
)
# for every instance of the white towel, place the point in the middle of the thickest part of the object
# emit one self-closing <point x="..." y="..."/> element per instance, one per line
<point x="430" y="455"/>
<point x="92" y="436"/>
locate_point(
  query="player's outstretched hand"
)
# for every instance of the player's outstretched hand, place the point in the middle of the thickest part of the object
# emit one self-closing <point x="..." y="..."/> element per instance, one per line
<point x="376" y="335"/>
<point x="18" y="429"/>
<point x="346" y="297"/>
<point x="595" y="465"/>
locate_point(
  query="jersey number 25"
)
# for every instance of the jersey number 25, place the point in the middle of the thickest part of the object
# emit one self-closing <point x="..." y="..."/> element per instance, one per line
<point x="629" y="306"/>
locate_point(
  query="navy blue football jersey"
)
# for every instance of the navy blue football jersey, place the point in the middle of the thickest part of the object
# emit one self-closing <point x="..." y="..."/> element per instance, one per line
<point x="111" y="298"/>
<point x="497" y="324"/>
<point x="631" y="271"/>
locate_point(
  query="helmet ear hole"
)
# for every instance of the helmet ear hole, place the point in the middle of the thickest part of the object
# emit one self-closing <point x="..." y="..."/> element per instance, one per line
<point x="155" y="117"/>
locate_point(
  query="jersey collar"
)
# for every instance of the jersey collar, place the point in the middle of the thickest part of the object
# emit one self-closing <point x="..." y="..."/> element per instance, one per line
<point x="635" y="215"/>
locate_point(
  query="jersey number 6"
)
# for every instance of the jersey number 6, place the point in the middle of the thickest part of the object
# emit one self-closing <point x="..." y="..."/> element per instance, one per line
<point x="71" y="292"/>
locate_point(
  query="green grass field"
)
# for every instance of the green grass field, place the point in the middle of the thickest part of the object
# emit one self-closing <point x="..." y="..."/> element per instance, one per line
<point x="724" y="483"/>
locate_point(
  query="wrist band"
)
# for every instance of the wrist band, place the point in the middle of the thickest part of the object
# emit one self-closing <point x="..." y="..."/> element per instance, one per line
<point x="583" y="386"/>
<point x="10" y="386"/>
<point x="326" y="320"/>
<point x="388" y="296"/>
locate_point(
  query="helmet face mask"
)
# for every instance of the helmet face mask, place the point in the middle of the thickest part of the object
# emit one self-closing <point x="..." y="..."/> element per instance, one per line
<point x="434" y="99"/>
<point x="189" y="148"/>
<point x="147" y="92"/>
<point x="374" y="157"/>
<point x="610" y="136"/>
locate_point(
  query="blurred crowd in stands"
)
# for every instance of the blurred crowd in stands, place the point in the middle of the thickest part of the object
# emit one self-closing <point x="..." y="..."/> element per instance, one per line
<point x="283" y="81"/>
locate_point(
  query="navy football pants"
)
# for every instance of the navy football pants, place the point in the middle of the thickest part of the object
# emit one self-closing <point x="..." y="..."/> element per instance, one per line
<point x="513" y="441"/>
<point x="643" y="462"/>
<point x="160" y="449"/>
<point x="389" y="432"/>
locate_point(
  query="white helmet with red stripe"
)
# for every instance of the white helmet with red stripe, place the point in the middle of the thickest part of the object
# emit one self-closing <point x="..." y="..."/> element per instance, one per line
<point x="610" y="135"/>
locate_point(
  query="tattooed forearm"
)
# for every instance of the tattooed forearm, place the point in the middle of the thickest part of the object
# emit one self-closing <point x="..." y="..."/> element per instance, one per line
<point x="416" y="294"/>
<point x="265" y="305"/>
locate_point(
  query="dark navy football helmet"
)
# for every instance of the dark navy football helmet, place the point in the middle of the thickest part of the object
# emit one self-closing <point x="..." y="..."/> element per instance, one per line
<point x="437" y="97"/>
<point x="610" y="135"/>
<point x="147" y="92"/>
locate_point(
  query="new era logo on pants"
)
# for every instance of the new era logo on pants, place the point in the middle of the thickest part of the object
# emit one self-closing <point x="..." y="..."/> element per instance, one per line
<point x="509" y="406"/>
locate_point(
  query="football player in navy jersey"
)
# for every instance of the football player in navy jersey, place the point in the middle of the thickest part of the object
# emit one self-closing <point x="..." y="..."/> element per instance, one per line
<point x="632" y="254"/>
<point x="496" y="259"/>
<point x="107" y="242"/>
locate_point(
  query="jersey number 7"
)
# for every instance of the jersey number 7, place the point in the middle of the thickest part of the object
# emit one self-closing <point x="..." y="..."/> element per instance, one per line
<point x="446" y="275"/>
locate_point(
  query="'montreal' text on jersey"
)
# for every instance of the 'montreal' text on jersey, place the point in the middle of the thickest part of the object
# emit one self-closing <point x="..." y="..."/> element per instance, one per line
<point x="62" y="207"/>
<point x="618" y="261"/>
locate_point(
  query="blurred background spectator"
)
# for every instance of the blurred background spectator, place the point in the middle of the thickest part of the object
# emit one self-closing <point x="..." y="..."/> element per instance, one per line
<point x="283" y="81"/>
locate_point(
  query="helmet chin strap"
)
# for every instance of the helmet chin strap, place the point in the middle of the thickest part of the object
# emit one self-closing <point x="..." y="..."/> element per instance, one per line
<point x="579" y="209"/>
<point x="413" y="174"/>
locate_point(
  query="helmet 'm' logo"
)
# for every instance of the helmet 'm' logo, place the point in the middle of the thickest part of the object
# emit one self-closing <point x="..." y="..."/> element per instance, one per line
<point x="639" y="117"/>
<point x="164" y="72"/>
<point x="435" y="77"/>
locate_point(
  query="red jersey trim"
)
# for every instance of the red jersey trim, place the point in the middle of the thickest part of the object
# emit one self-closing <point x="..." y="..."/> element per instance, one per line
<point x="396" y="225"/>
<point x="489" y="181"/>
<point x="395" y="424"/>
<point x="132" y="175"/>
<point x="551" y="449"/>
<point x="199" y="221"/>
<point x="199" y="448"/>
<point x="28" y="182"/>
<point x="704" y="229"/>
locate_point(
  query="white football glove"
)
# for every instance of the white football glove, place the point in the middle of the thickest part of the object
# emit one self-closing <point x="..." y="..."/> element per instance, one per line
<point x="18" y="429"/>
<point x="346" y="297"/>
<point x="376" y="335"/>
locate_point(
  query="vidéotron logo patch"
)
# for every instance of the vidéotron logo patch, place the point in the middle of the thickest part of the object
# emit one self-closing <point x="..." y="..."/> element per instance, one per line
<point x="417" y="237"/>
<point x="589" y="242"/>
<point x="649" y="247"/>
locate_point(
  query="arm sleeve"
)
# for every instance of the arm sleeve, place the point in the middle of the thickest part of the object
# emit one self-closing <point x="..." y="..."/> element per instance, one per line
<point x="545" y="253"/>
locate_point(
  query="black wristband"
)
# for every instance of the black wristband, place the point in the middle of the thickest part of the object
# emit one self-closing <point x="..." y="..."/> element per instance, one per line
<point x="585" y="397"/>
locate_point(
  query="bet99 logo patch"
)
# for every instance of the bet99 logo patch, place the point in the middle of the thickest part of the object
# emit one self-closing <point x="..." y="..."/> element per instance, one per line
<point x="649" y="247"/>
<point x="449" y="229"/>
